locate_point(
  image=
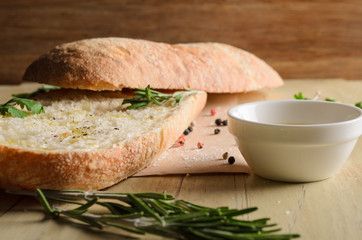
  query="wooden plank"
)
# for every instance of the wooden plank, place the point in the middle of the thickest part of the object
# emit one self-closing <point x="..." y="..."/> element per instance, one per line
<point x="25" y="221"/>
<point x="214" y="190"/>
<point x="170" y="184"/>
<point x="300" y="39"/>
<point x="7" y="201"/>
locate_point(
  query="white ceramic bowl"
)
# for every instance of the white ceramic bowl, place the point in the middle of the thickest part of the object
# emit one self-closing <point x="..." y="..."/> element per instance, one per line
<point x="312" y="151"/>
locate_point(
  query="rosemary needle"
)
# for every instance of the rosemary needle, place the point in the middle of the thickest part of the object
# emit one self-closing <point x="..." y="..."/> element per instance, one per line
<point x="158" y="214"/>
<point x="145" y="97"/>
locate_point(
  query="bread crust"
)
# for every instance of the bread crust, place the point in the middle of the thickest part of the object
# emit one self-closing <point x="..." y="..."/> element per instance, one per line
<point x="116" y="63"/>
<point x="98" y="169"/>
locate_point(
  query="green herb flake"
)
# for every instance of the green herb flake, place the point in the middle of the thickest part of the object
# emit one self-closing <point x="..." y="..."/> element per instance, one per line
<point x="331" y="99"/>
<point x="300" y="96"/>
<point x="359" y="104"/>
<point x="29" y="104"/>
<point x="23" y="101"/>
<point x="13" y="111"/>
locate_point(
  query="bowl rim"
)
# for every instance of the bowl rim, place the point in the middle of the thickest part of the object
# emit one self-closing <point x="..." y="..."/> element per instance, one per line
<point x="350" y="121"/>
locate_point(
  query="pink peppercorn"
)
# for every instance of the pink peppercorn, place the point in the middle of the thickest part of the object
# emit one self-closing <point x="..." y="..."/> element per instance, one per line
<point x="181" y="141"/>
<point x="213" y="112"/>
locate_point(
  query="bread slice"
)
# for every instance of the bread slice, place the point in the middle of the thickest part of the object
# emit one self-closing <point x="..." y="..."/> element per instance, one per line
<point x="116" y="63"/>
<point x="87" y="140"/>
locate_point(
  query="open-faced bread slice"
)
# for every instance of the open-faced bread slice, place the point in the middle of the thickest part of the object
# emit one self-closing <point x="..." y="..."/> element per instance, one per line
<point x="87" y="140"/>
<point x="116" y="63"/>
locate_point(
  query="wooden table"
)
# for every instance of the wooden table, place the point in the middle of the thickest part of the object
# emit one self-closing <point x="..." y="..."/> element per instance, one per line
<point x="329" y="209"/>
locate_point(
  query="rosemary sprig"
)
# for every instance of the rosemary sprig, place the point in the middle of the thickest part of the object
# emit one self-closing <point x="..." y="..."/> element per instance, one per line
<point x="299" y="96"/>
<point x="23" y="100"/>
<point x="158" y="214"/>
<point x="145" y="97"/>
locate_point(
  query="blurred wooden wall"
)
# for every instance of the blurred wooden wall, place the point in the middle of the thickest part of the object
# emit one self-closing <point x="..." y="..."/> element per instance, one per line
<point x="299" y="38"/>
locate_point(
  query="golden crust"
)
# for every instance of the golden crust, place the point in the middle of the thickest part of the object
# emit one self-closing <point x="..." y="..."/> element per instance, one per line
<point x="89" y="170"/>
<point x="116" y="63"/>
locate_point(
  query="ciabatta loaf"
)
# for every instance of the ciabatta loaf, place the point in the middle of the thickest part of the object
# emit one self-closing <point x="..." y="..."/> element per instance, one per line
<point x="116" y="63"/>
<point x="87" y="140"/>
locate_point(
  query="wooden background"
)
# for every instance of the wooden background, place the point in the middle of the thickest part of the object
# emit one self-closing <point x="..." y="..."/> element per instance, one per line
<point x="299" y="38"/>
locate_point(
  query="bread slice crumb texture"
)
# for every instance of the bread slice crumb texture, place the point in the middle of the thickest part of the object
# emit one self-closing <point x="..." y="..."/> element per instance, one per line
<point x="89" y="123"/>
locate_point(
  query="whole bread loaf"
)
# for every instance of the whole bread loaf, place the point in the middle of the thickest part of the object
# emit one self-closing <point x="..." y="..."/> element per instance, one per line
<point x="87" y="140"/>
<point x="116" y="63"/>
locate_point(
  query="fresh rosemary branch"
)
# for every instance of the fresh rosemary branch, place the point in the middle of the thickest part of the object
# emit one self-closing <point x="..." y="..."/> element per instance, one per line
<point x="24" y="101"/>
<point x="300" y="96"/>
<point x="146" y="96"/>
<point x="158" y="214"/>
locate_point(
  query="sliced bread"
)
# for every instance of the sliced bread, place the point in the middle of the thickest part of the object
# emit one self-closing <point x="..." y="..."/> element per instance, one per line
<point x="87" y="140"/>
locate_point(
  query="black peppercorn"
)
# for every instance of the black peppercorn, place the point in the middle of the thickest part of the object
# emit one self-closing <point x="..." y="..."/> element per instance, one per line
<point x="186" y="132"/>
<point x="225" y="122"/>
<point x="216" y="131"/>
<point x="218" y="122"/>
<point x="190" y="128"/>
<point x="231" y="160"/>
